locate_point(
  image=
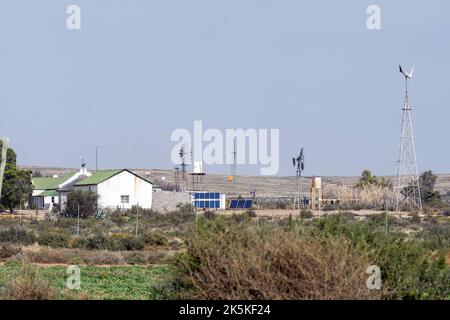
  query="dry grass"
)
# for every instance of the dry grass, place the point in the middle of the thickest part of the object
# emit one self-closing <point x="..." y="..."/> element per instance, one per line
<point x="242" y="263"/>
<point x="45" y="255"/>
<point x="28" y="285"/>
<point x="369" y="197"/>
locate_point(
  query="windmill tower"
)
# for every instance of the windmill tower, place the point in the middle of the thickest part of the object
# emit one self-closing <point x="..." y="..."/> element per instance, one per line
<point x="299" y="163"/>
<point x="407" y="187"/>
<point x="184" y="154"/>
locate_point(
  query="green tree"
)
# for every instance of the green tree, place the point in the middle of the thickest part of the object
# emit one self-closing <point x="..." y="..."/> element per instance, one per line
<point x="17" y="186"/>
<point x="86" y="200"/>
<point x="427" y="183"/>
<point x="368" y="179"/>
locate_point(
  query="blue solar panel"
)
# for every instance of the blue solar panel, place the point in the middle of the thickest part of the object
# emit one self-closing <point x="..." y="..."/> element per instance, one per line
<point x="207" y="200"/>
<point x="241" y="203"/>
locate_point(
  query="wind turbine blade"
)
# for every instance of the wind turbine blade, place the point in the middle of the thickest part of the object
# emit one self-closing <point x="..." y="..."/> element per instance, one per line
<point x="411" y="73"/>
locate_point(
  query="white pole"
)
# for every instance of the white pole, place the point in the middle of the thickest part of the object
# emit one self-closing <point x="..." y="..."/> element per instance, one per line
<point x="78" y="221"/>
<point x="137" y="218"/>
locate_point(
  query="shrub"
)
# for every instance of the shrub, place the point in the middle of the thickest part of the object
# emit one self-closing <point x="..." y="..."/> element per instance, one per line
<point x="155" y="239"/>
<point x="96" y="242"/>
<point x="17" y="235"/>
<point x="116" y="242"/>
<point x="228" y="261"/>
<point x="118" y="218"/>
<point x="46" y="255"/>
<point x="410" y="270"/>
<point x="238" y="218"/>
<point x="250" y="213"/>
<point x="306" y="214"/>
<point x="209" y="214"/>
<point x="54" y="239"/>
<point x="132" y="243"/>
<point x="8" y="250"/>
<point x="136" y="258"/>
<point x="186" y="208"/>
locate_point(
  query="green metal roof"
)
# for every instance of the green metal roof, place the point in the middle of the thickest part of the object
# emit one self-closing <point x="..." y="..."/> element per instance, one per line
<point x="50" y="183"/>
<point x="98" y="177"/>
<point x="48" y="193"/>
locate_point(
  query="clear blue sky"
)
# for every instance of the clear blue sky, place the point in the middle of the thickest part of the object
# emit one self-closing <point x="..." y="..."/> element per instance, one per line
<point x="140" y="69"/>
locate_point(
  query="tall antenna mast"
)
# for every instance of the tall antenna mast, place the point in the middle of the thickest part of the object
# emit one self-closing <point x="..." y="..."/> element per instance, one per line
<point x="96" y="156"/>
<point x="233" y="168"/>
<point x="131" y="147"/>
<point x="407" y="188"/>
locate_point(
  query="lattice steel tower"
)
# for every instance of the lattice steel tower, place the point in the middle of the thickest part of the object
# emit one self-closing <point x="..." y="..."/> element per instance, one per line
<point x="407" y="186"/>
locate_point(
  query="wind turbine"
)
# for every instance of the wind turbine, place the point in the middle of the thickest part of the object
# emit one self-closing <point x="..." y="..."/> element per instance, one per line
<point x="299" y="162"/>
<point x="406" y="74"/>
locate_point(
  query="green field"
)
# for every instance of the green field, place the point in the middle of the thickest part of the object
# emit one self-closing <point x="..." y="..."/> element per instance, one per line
<point x="116" y="282"/>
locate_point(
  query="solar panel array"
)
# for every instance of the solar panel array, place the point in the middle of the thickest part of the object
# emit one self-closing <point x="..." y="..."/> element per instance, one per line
<point x="207" y="200"/>
<point x="241" y="203"/>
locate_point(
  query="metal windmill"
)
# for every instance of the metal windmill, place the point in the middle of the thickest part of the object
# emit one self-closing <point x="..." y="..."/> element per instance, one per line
<point x="184" y="154"/>
<point x="407" y="186"/>
<point x="299" y="163"/>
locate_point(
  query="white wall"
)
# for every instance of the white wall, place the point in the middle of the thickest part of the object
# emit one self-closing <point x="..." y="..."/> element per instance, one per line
<point x="125" y="183"/>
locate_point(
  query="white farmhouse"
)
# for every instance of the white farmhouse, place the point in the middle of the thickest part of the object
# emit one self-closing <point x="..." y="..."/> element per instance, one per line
<point x="118" y="189"/>
<point x="50" y="191"/>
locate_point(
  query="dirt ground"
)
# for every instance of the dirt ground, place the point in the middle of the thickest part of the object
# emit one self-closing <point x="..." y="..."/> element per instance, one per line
<point x="35" y="214"/>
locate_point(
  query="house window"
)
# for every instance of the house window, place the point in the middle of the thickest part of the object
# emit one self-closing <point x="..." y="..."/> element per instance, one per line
<point x="125" y="199"/>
